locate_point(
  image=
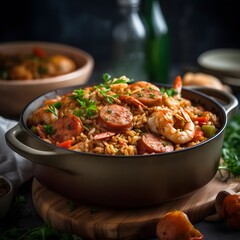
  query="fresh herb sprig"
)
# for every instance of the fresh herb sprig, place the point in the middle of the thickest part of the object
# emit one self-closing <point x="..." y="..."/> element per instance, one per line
<point x="105" y="87"/>
<point x="88" y="107"/>
<point x="108" y="80"/>
<point x="230" y="150"/>
<point x="53" y="108"/>
<point x="48" y="128"/>
<point x="104" y="92"/>
<point x="43" y="232"/>
<point x="39" y="232"/>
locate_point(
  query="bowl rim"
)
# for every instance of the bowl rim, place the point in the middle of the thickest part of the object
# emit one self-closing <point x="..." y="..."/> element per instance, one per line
<point x="23" y="123"/>
<point x="223" y="55"/>
<point x="10" y="185"/>
<point x="231" y="81"/>
<point x="89" y="62"/>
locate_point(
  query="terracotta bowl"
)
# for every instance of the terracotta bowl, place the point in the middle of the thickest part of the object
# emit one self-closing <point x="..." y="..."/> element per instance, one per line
<point x="16" y="94"/>
<point x="6" y="195"/>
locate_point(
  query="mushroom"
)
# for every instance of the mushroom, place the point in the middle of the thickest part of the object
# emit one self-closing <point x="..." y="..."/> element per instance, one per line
<point x="176" y="225"/>
<point x="227" y="205"/>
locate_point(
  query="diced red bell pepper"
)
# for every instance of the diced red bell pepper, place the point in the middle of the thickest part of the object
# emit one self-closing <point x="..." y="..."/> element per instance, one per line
<point x="65" y="144"/>
<point x="198" y="135"/>
<point x="201" y="120"/>
<point x="38" y="52"/>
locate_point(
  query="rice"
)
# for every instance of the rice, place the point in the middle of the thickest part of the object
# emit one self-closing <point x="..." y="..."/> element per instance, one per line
<point x="93" y="132"/>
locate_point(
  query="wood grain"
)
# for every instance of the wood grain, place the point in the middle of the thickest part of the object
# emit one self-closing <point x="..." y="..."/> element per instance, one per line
<point x="96" y="222"/>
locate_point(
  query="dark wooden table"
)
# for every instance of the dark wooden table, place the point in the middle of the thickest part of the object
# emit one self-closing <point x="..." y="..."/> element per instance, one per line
<point x="23" y="217"/>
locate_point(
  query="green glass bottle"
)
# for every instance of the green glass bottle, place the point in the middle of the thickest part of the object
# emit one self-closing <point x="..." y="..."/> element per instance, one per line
<point x="157" y="49"/>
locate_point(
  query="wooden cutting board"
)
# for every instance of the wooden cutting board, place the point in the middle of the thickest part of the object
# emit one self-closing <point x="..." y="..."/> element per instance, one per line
<point x="95" y="222"/>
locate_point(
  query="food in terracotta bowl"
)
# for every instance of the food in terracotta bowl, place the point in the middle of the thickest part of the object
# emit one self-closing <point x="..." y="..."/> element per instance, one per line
<point x="29" y="69"/>
<point x="6" y="195"/>
<point x="123" y="143"/>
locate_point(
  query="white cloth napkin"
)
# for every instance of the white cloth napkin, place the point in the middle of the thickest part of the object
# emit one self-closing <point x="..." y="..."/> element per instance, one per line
<point x="12" y="166"/>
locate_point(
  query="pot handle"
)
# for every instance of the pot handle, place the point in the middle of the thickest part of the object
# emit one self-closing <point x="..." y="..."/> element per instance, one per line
<point x="227" y="100"/>
<point x="51" y="158"/>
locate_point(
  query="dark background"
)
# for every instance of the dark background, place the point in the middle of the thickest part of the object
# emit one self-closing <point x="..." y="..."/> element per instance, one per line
<point x="194" y="25"/>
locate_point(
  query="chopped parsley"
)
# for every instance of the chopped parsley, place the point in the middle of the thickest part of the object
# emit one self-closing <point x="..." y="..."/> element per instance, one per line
<point x="105" y="87"/>
<point x="48" y="129"/>
<point x="53" y="108"/>
<point x="152" y="95"/>
<point x="104" y="91"/>
<point x="170" y="91"/>
<point x="108" y="80"/>
<point x="88" y="107"/>
<point x="140" y="95"/>
<point x="42" y="70"/>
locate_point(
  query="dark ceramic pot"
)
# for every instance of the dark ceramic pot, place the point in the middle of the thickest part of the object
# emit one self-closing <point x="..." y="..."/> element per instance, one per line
<point x="125" y="181"/>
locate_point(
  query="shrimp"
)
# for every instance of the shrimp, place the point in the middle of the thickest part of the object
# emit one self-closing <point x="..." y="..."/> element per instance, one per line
<point x="173" y="102"/>
<point x="51" y="101"/>
<point x="21" y="72"/>
<point x="42" y="116"/>
<point x="142" y="84"/>
<point x="59" y="65"/>
<point x="132" y="101"/>
<point x="165" y="121"/>
<point x="176" y="101"/>
<point x="170" y="102"/>
<point x="177" y="85"/>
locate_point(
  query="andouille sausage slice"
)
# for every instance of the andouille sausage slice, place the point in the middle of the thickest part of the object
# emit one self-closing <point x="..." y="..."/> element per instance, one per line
<point x="150" y="143"/>
<point x="66" y="127"/>
<point x="115" y="118"/>
<point x="104" y="135"/>
<point x="148" y="96"/>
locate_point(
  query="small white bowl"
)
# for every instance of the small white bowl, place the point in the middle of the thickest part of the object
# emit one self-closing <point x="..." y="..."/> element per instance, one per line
<point x="6" y="200"/>
<point x="224" y="61"/>
<point x="16" y="94"/>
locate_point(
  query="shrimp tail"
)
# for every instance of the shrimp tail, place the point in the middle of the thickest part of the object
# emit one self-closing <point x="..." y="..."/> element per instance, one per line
<point x="185" y="115"/>
<point x="177" y="85"/>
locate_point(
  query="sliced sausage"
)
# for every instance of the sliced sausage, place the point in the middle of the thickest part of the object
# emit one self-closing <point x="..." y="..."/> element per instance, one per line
<point x="150" y="143"/>
<point x="103" y="135"/>
<point x="115" y="118"/>
<point x="67" y="127"/>
<point x="148" y="96"/>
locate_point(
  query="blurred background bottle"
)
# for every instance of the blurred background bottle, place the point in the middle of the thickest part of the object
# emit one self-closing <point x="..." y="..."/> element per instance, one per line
<point x="129" y="42"/>
<point x="157" y="51"/>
